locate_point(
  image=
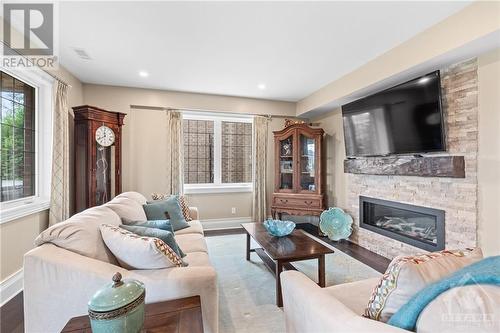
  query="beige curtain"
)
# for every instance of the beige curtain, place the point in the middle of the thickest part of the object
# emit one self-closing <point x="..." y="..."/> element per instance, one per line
<point x="59" y="192"/>
<point x="175" y="156"/>
<point x="259" y="203"/>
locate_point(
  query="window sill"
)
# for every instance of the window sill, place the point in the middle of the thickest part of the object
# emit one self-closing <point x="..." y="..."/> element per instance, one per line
<point x="23" y="208"/>
<point x="217" y="189"/>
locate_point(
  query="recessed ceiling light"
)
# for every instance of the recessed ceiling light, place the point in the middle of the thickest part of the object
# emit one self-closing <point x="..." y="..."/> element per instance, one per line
<point x="261" y="86"/>
<point x="143" y="74"/>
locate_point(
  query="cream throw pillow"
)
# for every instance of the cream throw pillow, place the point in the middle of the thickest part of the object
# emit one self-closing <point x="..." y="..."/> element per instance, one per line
<point x="472" y="308"/>
<point x="138" y="252"/>
<point x="127" y="208"/>
<point x="81" y="234"/>
<point x="406" y="275"/>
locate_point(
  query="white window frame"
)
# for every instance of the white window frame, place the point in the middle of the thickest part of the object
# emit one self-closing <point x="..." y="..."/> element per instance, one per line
<point x="217" y="186"/>
<point x="43" y="84"/>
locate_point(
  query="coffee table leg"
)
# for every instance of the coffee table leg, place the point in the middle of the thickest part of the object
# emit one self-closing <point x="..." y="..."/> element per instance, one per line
<point x="321" y="271"/>
<point x="248" y="246"/>
<point x="279" y="269"/>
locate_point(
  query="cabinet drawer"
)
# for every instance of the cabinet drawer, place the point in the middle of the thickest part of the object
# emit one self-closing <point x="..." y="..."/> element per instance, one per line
<point x="297" y="202"/>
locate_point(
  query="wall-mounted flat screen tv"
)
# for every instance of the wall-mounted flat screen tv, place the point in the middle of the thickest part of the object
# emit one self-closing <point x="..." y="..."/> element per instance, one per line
<point x="404" y="119"/>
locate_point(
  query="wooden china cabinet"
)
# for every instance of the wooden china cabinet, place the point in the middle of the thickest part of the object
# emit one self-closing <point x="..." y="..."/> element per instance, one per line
<point x="98" y="145"/>
<point x="298" y="188"/>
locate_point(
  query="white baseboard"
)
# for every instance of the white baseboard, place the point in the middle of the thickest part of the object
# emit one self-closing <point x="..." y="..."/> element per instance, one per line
<point x="11" y="286"/>
<point x="225" y="223"/>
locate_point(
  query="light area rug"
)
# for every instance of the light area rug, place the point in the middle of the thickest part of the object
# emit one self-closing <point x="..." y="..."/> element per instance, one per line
<point x="247" y="288"/>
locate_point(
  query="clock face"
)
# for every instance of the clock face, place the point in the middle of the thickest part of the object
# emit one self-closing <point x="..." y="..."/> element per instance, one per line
<point x="105" y="136"/>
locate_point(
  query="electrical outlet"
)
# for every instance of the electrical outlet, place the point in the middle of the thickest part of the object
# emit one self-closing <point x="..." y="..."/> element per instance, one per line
<point x="233" y="210"/>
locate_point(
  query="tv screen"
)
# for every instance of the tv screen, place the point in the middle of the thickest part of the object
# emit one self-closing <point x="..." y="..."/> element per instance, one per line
<point x="405" y="119"/>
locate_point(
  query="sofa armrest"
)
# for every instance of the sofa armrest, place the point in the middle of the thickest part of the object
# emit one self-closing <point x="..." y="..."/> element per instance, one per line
<point x="193" y="212"/>
<point x="311" y="309"/>
<point x="59" y="283"/>
<point x="172" y="283"/>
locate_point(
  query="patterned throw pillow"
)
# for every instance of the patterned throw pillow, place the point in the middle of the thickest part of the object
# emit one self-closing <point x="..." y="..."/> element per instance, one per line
<point x="406" y="275"/>
<point x="182" y="202"/>
<point x="137" y="252"/>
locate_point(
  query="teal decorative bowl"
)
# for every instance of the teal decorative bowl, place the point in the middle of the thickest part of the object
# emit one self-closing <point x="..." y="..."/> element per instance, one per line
<point x="279" y="228"/>
<point x="335" y="223"/>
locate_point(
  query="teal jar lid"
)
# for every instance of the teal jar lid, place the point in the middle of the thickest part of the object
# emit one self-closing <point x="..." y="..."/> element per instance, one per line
<point x="116" y="294"/>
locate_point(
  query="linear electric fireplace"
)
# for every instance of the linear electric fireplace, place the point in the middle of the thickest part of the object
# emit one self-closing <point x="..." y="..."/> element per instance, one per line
<point x="415" y="225"/>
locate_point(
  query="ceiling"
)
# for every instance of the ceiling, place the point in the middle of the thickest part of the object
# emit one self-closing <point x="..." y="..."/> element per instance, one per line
<point x="230" y="48"/>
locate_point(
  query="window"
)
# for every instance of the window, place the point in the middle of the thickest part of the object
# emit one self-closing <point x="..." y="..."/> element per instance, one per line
<point x="198" y="151"/>
<point x="25" y="146"/>
<point x="17" y="130"/>
<point x="236" y="156"/>
<point x="217" y="153"/>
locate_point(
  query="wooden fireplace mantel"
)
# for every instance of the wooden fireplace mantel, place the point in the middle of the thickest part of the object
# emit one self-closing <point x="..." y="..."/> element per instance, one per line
<point x="425" y="166"/>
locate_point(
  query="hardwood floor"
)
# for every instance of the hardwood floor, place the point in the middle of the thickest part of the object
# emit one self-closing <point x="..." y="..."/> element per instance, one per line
<point x="222" y="232"/>
<point x="12" y="315"/>
<point x="367" y="257"/>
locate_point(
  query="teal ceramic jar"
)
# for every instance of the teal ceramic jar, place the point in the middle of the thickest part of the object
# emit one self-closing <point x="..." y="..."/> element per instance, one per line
<point x="118" y="307"/>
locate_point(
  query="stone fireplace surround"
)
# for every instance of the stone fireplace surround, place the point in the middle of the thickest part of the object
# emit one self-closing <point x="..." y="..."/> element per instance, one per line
<point x="456" y="196"/>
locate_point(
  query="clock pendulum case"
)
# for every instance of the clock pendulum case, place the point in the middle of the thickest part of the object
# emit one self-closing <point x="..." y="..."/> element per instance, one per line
<point x="97" y="156"/>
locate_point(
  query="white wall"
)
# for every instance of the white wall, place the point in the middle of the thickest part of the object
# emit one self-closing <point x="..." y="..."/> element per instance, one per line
<point x="489" y="152"/>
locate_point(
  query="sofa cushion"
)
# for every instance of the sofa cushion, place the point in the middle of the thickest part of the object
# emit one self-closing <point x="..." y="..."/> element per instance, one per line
<point x="182" y="201"/>
<point x="166" y="236"/>
<point x="136" y="252"/>
<point x="168" y="208"/>
<point x="80" y="233"/>
<point x="471" y="308"/>
<point x="136" y="196"/>
<point x="191" y="243"/>
<point x="354" y="294"/>
<point x="127" y="208"/>
<point x="197" y="259"/>
<point x="195" y="227"/>
<point x="406" y="275"/>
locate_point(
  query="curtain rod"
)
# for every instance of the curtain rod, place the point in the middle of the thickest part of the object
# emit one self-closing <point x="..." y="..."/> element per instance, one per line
<point x="46" y="71"/>
<point x="159" y="108"/>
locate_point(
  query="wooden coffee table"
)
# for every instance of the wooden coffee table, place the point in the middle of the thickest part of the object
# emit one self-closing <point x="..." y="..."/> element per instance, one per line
<point x="278" y="252"/>
<point x="181" y="315"/>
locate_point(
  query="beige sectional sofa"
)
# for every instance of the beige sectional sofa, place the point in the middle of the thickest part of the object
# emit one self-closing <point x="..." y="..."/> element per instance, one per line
<point x="59" y="282"/>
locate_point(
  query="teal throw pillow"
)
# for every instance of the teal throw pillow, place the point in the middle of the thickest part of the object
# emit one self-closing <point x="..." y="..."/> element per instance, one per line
<point x="166" y="209"/>
<point x="164" y="235"/>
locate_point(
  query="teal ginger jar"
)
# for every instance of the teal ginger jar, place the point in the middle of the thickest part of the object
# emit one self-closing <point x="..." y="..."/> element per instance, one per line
<point x="118" y="307"/>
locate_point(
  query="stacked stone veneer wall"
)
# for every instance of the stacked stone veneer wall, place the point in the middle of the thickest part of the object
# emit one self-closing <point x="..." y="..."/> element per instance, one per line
<point x="457" y="197"/>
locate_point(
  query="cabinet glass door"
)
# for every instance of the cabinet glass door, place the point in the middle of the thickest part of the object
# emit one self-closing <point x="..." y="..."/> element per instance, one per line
<point x="286" y="163"/>
<point x="103" y="175"/>
<point x="307" y="172"/>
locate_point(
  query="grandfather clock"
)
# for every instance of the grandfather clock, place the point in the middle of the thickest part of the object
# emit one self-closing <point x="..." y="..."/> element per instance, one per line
<point x="97" y="156"/>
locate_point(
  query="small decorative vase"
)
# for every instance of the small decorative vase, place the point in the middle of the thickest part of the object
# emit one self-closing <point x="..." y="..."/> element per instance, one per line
<point x="118" y="307"/>
<point x="335" y="223"/>
<point x="279" y="228"/>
